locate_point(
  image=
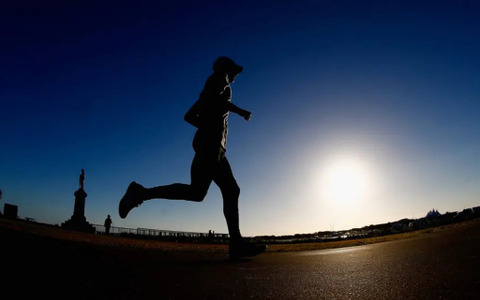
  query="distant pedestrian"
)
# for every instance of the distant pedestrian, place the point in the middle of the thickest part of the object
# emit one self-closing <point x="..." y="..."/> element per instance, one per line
<point x="209" y="114"/>
<point x="108" y="224"/>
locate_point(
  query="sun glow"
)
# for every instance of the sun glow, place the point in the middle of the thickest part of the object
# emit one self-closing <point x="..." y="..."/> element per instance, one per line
<point x="345" y="182"/>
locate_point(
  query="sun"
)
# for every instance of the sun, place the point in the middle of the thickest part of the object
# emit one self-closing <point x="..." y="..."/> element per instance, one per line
<point x="345" y="182"/>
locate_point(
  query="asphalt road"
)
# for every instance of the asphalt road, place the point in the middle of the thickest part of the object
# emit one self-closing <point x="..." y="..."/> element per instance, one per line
<point x="442" y="264"/>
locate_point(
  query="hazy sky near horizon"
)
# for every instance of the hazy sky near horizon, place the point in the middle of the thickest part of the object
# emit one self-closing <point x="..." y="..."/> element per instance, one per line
<point x="363" y="112"/>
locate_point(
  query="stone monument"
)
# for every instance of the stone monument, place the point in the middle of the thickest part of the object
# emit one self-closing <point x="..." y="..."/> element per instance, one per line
<point x="78" y="221"/>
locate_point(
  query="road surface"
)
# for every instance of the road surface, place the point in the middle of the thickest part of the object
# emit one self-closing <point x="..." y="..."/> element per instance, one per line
<point x="441" y="264"/>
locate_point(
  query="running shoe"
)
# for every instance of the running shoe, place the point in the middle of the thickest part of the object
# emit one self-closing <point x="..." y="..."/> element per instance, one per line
<point x="242" y="249"/>
<point x="131" y="199"/>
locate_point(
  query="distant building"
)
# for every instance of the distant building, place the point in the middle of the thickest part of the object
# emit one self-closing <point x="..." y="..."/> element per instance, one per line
<point x="397" y="227"/>
<point x="10" y="211"/>
<point x="416" y="224"/>
<point x="433" y="214"/>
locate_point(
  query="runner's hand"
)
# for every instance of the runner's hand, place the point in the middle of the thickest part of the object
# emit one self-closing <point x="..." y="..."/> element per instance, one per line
<point x="246" y="115"/>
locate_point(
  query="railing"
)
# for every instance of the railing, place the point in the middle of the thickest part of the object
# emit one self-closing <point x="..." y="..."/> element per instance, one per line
<point x="100" y="229"/>
<point x="162" y="234"/>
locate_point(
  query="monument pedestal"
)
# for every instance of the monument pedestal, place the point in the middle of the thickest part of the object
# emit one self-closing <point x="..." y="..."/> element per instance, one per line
<point x="78" y="221"/>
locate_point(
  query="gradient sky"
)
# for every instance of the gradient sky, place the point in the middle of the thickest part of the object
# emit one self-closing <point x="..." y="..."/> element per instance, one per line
<point x="389" y="88"/>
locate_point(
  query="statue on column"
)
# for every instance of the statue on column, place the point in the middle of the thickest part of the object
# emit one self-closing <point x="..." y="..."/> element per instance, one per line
<point x="82" y="179"/>
<point x="78" y="220"/>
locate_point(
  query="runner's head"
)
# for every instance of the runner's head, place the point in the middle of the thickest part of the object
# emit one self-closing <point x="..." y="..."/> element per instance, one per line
<point x="226" y="65"/>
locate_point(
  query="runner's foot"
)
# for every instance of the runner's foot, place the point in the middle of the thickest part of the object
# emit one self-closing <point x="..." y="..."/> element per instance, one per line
<point x="242" y="249"/>
<point x="131" y="199"/>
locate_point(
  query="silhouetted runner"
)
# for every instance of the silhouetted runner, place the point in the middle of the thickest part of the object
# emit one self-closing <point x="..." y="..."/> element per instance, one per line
<point x="209" y="114"/>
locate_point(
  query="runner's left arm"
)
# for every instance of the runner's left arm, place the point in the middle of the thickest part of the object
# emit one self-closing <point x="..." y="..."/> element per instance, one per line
<point x="240" y="111"/>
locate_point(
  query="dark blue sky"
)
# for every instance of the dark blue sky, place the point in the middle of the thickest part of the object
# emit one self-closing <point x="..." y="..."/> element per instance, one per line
<point x="388" y="89"/>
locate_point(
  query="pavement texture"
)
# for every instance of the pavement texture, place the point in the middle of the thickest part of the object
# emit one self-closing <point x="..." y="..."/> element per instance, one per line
<point x="443" y="263"/>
